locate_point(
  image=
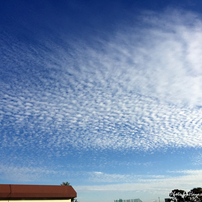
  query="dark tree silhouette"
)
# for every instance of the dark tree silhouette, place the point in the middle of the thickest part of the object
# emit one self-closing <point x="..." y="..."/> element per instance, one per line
<point x="65" y="184"/>
<point x="178" y="195"/>
<point x="194" y="195"/>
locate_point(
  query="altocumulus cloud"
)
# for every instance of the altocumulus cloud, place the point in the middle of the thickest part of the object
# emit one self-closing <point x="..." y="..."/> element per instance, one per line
<point x="139" y="90"/>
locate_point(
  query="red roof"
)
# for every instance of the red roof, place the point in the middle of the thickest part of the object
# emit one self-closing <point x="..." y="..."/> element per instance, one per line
<point x="10" y="191"/>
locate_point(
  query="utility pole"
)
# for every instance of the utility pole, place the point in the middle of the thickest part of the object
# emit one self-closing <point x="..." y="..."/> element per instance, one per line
<point x="159" y="199"/>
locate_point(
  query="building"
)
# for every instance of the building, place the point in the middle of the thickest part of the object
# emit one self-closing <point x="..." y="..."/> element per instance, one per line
<point x="168" y="199"/>
<point x="36" y="193"/>
<point x="128" y="200"/>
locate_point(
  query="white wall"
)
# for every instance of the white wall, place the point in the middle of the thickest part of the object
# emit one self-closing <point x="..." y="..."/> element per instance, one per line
<point x="63" y="200"/>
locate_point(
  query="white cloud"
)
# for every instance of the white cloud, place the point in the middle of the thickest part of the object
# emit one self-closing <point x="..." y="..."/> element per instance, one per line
<point x="150" y="184"/>
<point x="24" y="174"/>
<point x="138" y="91"/>
<point x="101" y="177"/>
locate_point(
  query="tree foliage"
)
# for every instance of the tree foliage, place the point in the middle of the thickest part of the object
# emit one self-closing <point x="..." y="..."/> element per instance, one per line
<point x="178" y="195"/>
<point x="194" y="195"/>
<point x="65" y="184"/>
<point x="74" y="200"/>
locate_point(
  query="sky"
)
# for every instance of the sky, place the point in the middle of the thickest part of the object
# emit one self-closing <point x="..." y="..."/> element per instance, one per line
<point x="106" y="95"/>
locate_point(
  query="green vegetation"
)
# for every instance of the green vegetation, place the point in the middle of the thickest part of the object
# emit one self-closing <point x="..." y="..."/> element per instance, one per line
<point x="194" y="195"/>
<point x="65" y="184"/>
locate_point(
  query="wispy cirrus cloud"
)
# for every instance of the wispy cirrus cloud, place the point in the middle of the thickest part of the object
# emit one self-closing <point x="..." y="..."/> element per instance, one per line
<point x="101" y="177"/>
<point x="24" y="174"/>
<point x="140" y="90"/>
<point x="39" y="173"/>
<point x="164" y="184"/>
<point x="101" y="181"/>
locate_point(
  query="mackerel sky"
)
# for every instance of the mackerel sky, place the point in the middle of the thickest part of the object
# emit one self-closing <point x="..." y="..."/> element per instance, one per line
<point x="106" y="95"/>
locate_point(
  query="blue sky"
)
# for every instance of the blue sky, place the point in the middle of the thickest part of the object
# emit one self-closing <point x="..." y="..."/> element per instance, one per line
<point x="103" y="94"/>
